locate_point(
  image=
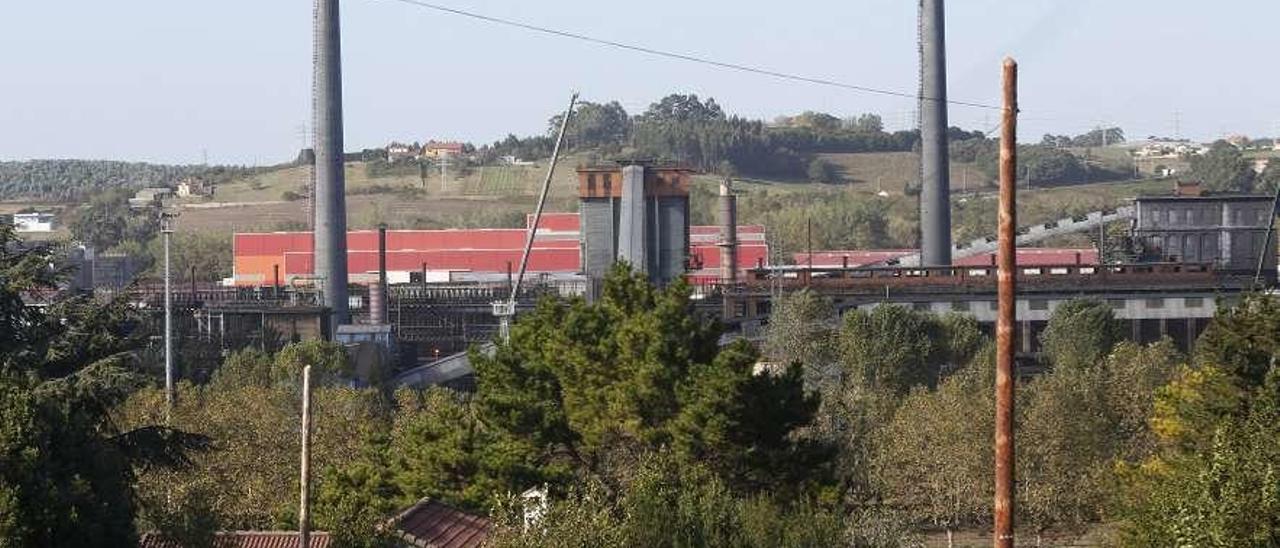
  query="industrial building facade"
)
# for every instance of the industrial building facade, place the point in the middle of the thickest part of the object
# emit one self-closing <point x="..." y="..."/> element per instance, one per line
<point x="637" y="214"/>
<point x="1227" y="230"/>
<point x="466" y="255"/>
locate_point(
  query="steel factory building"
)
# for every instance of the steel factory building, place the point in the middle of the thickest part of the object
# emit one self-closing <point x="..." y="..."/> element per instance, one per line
<point x="264" y="259"/>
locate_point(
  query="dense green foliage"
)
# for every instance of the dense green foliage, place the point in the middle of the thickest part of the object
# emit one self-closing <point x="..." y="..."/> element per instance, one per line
<point x="66" y="469"/>
<point x="1080" y="334"/>
<point x="1214" y="480"/>
<point x="908" y="400"/>
<point x="592" y="396"/>
<point x="668" y="503"/>
<point x="834" y="220"/>
<point x="685" y="129"/>
<point x="583" y="387"/>
<point x="76" y="180"/>
<point x="1223" y="169"/>
<point x="1096" y="138"/>
<point x="1039" y="165"/>
<point x="107" y="221"/>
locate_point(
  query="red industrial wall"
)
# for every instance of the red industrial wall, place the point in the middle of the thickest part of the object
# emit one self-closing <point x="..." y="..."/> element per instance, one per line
<point x="556" y="249"/>
<point x="471" y="260"/>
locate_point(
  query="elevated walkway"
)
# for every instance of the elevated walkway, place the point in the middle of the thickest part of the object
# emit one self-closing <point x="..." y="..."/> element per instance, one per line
<point x="1029" y="235"/>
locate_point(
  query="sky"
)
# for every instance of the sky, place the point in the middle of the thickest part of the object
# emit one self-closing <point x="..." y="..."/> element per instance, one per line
<point x="176" y="81"/>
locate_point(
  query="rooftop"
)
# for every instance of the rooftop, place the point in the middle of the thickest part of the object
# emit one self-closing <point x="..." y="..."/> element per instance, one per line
<point x="242" y="539"/>
<point x="431" y="524"/>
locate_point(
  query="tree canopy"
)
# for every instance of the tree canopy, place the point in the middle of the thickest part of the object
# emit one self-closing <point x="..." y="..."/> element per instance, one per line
<point x="66" y="468"/>
<point x="1223" y="168"/>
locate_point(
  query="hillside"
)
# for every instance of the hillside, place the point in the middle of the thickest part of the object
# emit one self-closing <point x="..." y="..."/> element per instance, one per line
<point x="77" y="180"/>
<point x="848" y="214"/>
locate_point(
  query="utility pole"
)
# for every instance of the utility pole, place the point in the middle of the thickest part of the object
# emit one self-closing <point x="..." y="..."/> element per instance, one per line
<point x="1007" y="291"/>
<point x="444" y="170"/>
<point x="506" y="310"/>
<point x="166" y="229"/>
<point x="304" y="504"/>
<point x="808" y="227"/>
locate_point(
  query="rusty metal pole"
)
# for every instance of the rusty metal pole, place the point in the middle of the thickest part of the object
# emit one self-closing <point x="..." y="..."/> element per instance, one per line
<point x="1005" y="343"/>
<point x="304" y="506"/>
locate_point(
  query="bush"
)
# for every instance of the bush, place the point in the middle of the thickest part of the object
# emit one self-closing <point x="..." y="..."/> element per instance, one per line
<point x="822" y="171"/>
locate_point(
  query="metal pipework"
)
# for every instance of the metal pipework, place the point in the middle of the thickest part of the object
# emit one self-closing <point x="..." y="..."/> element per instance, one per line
<point x="935" y="179"/>
<point x="1005" y="320"/>
<point x="728" y="233"/>
<point x="330" y="187"/>
<point x="378" y="299"/>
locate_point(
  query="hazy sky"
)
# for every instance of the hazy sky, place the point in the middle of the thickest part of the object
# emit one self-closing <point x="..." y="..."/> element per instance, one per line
<point x="165" y="80"/>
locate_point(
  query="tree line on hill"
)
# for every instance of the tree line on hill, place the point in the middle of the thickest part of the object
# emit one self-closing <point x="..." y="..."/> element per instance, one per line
<point x="698" y="133"/>
<point x="78" y="180"/>
<point x="1225" y="168"/>
<point x="867" y="429"/>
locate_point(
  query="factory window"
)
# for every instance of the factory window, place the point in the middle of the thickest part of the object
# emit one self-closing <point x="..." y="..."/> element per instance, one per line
<point x="960" y="306"/>
<point x="1038" y="304"/>
<point x="591" y="183"/>
<point x="608" y="184"/>
<point x="1190" y="220"/>
<point x="1155" y="303"/>
<point x="1193" y="302"/>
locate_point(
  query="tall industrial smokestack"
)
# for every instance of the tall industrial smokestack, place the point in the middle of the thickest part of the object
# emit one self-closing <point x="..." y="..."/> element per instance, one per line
<point x="330" y="189"/>
<point x="728" y="233"/>
<point x="935" y="189"/>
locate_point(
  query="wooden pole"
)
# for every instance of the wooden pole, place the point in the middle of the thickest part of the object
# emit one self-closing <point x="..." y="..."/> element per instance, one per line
<point x="304" y="508"/>
<point x="1007" y="259"/>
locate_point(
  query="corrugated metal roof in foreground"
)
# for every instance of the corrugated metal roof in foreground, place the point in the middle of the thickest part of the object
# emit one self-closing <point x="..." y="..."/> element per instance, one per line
<point x="243" y="539"/>
<point x="430" y="524"/>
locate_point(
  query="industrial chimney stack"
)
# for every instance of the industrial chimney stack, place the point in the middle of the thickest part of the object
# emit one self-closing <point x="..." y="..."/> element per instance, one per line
<point x="330" y="231"/>
<point x="728" y="233"/>
<point x="935" y="189"/>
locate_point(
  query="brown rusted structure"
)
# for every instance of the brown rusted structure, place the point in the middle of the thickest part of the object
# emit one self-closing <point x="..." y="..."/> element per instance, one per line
<point x="1006" y="294"/>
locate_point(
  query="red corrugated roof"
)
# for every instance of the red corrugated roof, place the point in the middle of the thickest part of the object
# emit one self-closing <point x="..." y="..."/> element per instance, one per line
<point x="243" y="539"/>
<point x="1039" y="256"/>
<point x="430" y="524"/>
<point x="856" y="257"/>
<point x="715" y="229"/>
<point x="708" y="256"/>
<point x="560" y="222"/>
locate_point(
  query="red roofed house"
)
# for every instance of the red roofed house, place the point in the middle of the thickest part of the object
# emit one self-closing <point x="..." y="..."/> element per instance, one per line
<point x="434" y="149"/>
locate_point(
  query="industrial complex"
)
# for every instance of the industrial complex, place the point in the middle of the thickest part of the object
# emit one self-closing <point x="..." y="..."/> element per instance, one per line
<point x="422" y="295"/>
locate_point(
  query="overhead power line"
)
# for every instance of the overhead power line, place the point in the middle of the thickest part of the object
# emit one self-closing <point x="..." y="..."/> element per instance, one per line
<point x="680" y="56"/>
